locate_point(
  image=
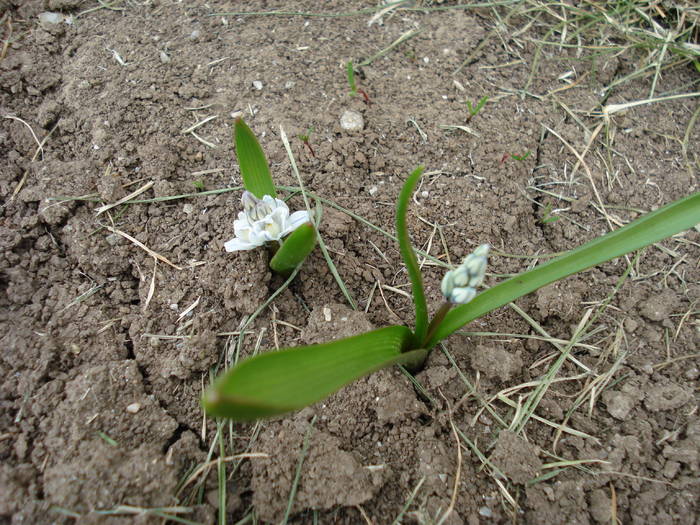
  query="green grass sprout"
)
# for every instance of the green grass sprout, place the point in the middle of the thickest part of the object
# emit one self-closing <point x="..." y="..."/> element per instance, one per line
<point x="473" y="110"/>
<point x="547" y="216"/>
<point x="274" y="383"/>
<point x="198" y="185"/>
<point x="522" y="157"/>
<point x="354" y="90"/>
<point x="305" y="138"/>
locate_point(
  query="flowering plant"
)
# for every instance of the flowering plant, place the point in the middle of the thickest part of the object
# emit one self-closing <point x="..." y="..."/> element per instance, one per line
<point x="273" y="383"/>
<point x="265" y="218"/>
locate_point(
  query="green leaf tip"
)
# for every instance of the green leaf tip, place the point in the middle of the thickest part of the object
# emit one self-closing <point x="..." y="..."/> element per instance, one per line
<point x="409" y="255"/>
<point x="652" y="227"/>
<point x="255" y="170"/>
<point x="281" y="381"/>
<point x="295" y="249"/>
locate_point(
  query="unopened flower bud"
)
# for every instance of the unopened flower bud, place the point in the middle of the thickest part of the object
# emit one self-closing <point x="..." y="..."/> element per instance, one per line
<point x="459" y="285"/>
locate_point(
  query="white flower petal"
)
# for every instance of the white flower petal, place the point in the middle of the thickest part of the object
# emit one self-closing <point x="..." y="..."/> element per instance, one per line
<point x="296" y="219"/>
<point x="236" y="244"/>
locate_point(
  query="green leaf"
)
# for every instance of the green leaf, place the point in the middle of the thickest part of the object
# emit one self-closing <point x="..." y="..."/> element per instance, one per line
<point x="350" y="69"/>
<point x="409" y="256"/>
<point x="251" y="159"/>
<point x="295" y="249"/>
<point x="657" y="225"/>
<point x="277" y="382"/>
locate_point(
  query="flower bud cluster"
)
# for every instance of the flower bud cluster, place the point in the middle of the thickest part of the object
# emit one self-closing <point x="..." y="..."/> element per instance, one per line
<point x="459" y="285"/>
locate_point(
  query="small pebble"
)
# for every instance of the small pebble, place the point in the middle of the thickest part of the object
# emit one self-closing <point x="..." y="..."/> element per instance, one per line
<point x="188" y="208"/>
<point x="485" y="512"/>
<point x="352" y="121"/>
<point x="195" y="34"/>
<point x="257" y="85"/>
<point x="50" y="18"/>
<point x="373" y="190"/>
<point x="133" y="408"/>
<point x="112" y="239"/>
<point x="164" y="58"/>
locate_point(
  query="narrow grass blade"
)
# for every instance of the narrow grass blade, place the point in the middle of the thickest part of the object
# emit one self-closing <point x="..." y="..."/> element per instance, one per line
<point x="295" y="249"/>
<point x="277" y="382"/>
<point x="409" y="256"/>
<point x="254" y="168"/>
<point x="653" y="227"/>
<point x="350" y="69"/>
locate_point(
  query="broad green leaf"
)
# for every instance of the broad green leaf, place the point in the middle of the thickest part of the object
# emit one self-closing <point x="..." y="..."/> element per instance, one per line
<point x="254" y="168"/>
<point x="409" y="256"/>
<point x="295" y="249"/>
<point x="650" y="228"/>
<point x="277" y="382"/>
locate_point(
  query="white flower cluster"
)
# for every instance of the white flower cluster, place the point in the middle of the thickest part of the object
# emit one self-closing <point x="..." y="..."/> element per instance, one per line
<point x="459" y="285"/>
<point x="263" y="220"/>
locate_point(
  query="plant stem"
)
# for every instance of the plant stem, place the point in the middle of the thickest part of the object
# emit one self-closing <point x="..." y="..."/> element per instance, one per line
<point x="435" y="322"/>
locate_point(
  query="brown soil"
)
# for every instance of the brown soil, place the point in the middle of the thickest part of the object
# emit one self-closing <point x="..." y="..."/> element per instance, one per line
<point x="99" y="397"/>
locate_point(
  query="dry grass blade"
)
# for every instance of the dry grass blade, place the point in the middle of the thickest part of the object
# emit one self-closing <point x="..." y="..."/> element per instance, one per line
<point x="132" y="195"/>
<point x="142" y="246"/>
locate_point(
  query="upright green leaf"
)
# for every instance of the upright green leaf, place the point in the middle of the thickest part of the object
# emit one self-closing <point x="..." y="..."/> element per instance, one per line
<point x="409" y="256"/>
<point x="650" y="228"/>
<point x="295" y="249"/>
<point x="254" y="168"/>
<point x="277" y="382"/>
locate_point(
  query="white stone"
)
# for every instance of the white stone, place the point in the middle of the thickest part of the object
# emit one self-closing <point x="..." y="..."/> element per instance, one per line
<point x="133" y="408"/>
<point x="352" y="121"/>
<point x="50" y="18"/>
<point x="257" y="85"/>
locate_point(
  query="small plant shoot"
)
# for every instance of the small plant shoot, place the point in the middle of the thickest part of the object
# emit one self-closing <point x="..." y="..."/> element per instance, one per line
<point x="265" y="218"/>
<point x="474" y="109"/>
<point x="305" y="139"/>
<point x="522" y="157"/>
<point x="277" y="382"/>
<point x="354" y="90"/>
<point x="548" y="216"/>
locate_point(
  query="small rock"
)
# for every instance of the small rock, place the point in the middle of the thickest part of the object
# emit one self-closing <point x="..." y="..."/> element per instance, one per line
<point x="516" y="458"/>
<point x="600" y="506"/>
<point x="352" y="121"/>
<point x="164" y="58"/>
<point x="257" y="85"/>
<point x="112" y="239"/>
<point x="659" y="307"/>
<point x="188" y="208"/>
<point x="619" y="404"/>
<point x="485" y="512"/>
<point x="495" y="362"/>
<point x="671" y="468"/>
<point x="48" y="17"/>
<point x="684" y="452"/>
<point x="667" y="397"/>
<point x="133" y="408"/>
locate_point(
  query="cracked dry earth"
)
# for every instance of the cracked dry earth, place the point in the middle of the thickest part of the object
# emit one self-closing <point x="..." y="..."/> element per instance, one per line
<point x="101" y="374"/>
